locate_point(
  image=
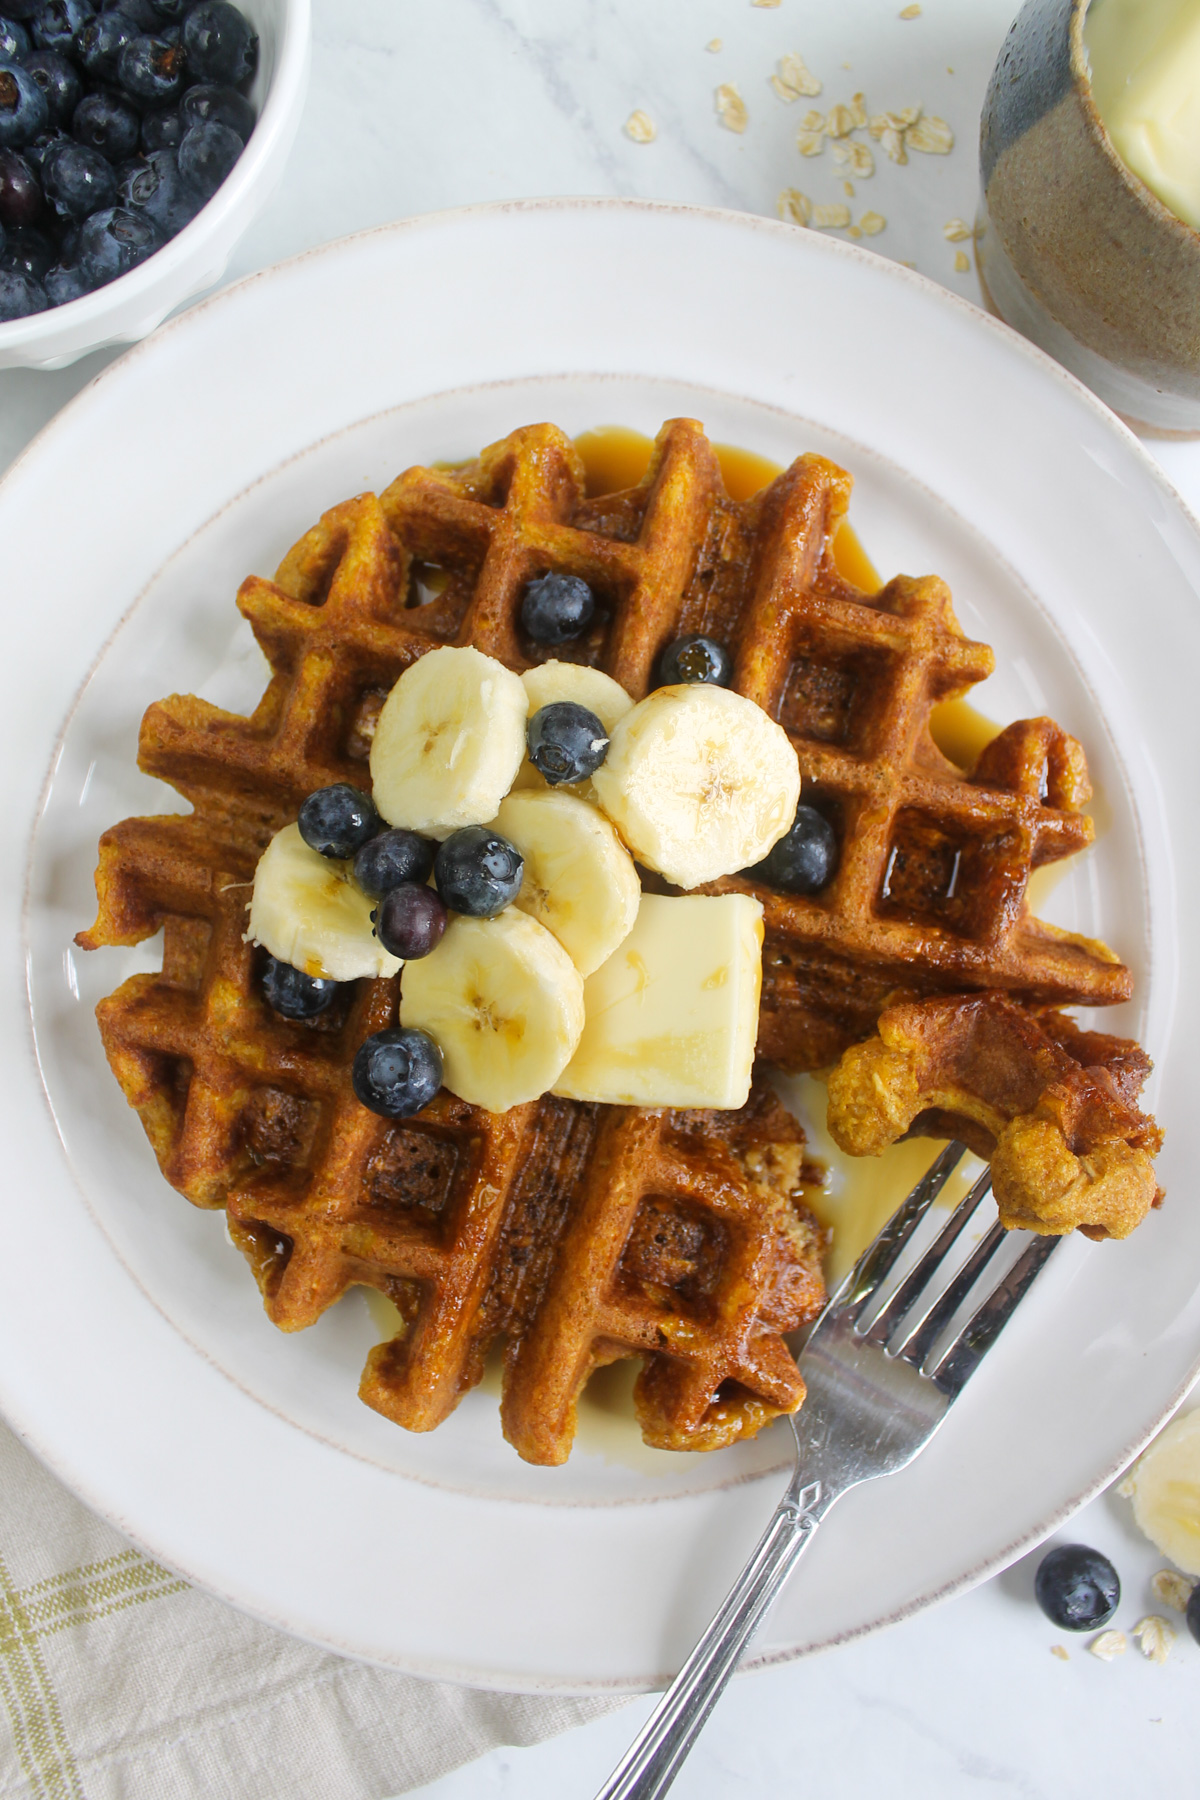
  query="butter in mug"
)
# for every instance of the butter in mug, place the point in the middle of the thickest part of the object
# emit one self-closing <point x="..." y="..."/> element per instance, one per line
<point x="1145" y="70"/>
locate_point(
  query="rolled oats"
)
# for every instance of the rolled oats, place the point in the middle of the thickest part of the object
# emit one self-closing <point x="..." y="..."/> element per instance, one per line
<point x="640" y="127"/>
<point x="1172" y="1588"/>
<point x="834" y="216"/>
<point x="1108" y="1645"/>
<point x="1153" y="1637"/>
<point x="931" y="136"/>
<point x="962" y="263"/>
<point x="840" y="122"/>
<point x="793" y="78"/>
<point x="849" y="154"/>
<point x="731" y="108"/>
<point x="794" y="207"/>
<point x="871" y="224"/>
<point x="956" y="231"/>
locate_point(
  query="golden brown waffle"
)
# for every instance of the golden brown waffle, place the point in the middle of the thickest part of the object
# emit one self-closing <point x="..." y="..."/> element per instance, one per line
<point x="1052" y="1107"/>
<point x="246" y="1110"/>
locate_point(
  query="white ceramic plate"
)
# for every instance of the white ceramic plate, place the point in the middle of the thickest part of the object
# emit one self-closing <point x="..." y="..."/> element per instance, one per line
<point x="134" y="1356"/>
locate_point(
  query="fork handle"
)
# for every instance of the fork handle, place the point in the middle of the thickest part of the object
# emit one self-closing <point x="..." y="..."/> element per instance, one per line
<point x="657" y="1754"/>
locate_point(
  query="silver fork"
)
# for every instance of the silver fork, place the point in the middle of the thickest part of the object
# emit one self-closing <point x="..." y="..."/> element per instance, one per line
<point x="874" y="1400"/>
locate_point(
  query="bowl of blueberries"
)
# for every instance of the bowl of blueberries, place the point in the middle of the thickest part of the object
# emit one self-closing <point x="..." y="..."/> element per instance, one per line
<point x="138" y="138"/>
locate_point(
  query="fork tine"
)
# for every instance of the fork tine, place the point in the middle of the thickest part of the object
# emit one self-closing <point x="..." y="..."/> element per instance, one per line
<point x="919" y="1342"/>
<point x="918" y="1279"/>
<point x="981" y="1330"/>
<point x="879" y="1257"/>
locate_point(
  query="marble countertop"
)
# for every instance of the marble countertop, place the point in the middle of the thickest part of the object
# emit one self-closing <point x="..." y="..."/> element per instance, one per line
<point x="415" y="107"/>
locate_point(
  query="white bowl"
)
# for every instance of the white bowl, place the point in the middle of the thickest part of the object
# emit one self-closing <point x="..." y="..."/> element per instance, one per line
<point x="129" y="308"/>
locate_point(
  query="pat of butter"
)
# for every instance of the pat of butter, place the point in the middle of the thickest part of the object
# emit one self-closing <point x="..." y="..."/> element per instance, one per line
<point x="1145" y="61"/>
<point x="671" y="1018"/>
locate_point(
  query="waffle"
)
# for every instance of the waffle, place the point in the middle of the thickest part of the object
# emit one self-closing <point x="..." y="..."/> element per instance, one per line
<point x="249" y="1112"/>
<point x="1053" y="1108"/>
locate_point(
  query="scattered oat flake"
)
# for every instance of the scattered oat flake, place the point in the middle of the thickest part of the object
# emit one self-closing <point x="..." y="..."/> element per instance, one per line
<point x="858" y="107"/>
<point x="871" y="224"/>
<point x="1172" y="1588"/>
<point x="854" y="232"/>
<point x="962" y="263"/>
<point x="1108" y="1645"/>
<point x="956" y="231"/>
<point x="932" y="136"/>
<point x="731" y="108"/>
<point x="713" y="44"/>
<point x="809" y="142"/>
<point x="840" y="122"/>
<point x="1127" y="1488"/>
<point x="1154" y="1638"/>
<point x="900" y="121"/>
<point x="831" y="217"/>
<point x="764" y="2"/>
<point x="911" y="12"/>
<point x="794" y="207"/>
<point x="640" y="127"/>
<point x="1057" y="1650"/>
<point x="892" y="144"/>
<point x="793" y="78"/>
<point x="848" y="189"/>
<point x="854" y="156"/>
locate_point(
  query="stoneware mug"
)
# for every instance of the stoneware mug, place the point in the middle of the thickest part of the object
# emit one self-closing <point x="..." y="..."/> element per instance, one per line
<point x="1073" y="249"/>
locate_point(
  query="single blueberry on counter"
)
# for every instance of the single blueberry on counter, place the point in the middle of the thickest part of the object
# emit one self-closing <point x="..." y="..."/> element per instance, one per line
<point x="55" y="23"/>
<point x="478" y="872"/>
<point x="409" y="921"/>
<point x="106" y="123"/>
<point x="20" y="295"/>
<point x="293" y="994"/>
<point x="695" y="658"/>
<point x="805" y="859"/>
<point x="397" y="1072"/>
<point x="220" y="45"/>
<point x="566" y="742"/>
<point x="24" y="110"/>
<point x="59" y="81"/>
<point x="20" y="191"/>
<point x="78" y="180"/>
<point x="338" y="820"/>
<point x="556" y="608"/>
<point x="1078" y="1589"/>
<point x="391" y="859"/>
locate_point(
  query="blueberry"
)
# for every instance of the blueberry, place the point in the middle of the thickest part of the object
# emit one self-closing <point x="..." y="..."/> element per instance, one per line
<point x="162" y="130"/>
<point x="556" y="608"/>
<point x="22" y="10"/>
<point x="28" y="252"/>
<point x="171" y="10"/>
<point x="106" y="123"/>
<point x="409" y="921"/>
<point x="59" y="82"/>
<point x="56" y="22"/>
<point x="114" y="241"/>
<point x="222" y="104"/>
<point x="141" y="12"/>
<point x="566" y="742"/>
<point x="14" y="40"/>
<point x="20" y="191"/>
<point x="151" y="70"/>
<point x="207" y="152"/>
<point x="220" y="44"/>
<point x="392" y="858"/>
<point x="805" y="858"/>
<point x="397" y="1072"/>
<point x="338" y="820"/>
<point x="78" y="181"/>
<point x="20" y="295"/>
<point x="294" y="994"/>
<point x="1077" y="1588"/>
<point x="23" y="107"/>
<point x="36" y="153"/>
<point x="99" y="45"/>
<point x="65" y="282"/>
<point x="695" y="658"/>
<point x="478" y="872"/>
<point x="153" y="185"/>
<point x="1192" y="1614"/>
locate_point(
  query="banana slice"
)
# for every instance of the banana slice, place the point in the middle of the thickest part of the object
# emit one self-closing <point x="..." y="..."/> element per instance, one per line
<point x="450" y="738"/>
<point x="580" y="882"/>
<point x="1165" y="1489"/>
<point x="592" y="688"/>
<point x="308" y="910"/>
<point x="699" y="782"/>
<point x="503" y="1002"/>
